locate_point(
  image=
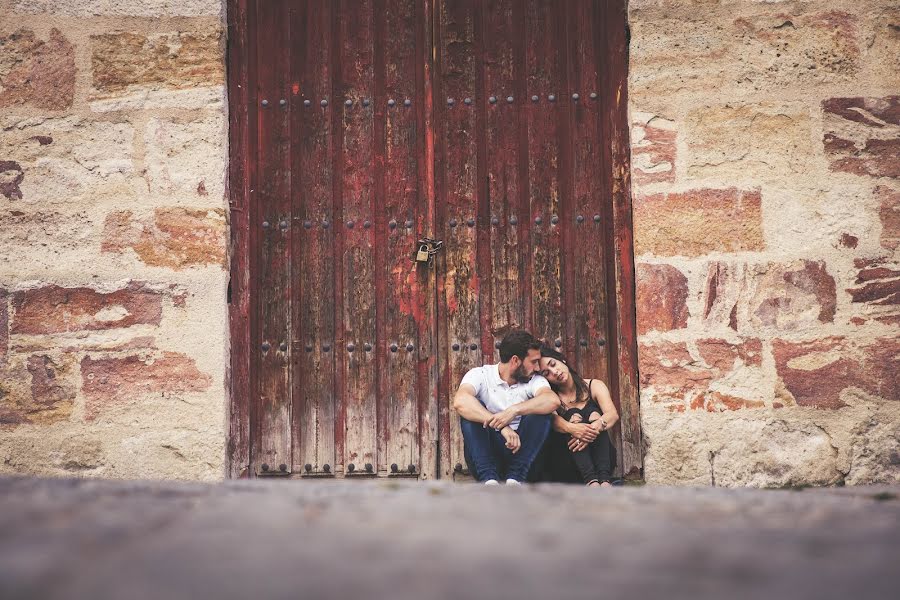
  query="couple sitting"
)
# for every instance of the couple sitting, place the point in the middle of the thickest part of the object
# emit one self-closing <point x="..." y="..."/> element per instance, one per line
<point x="507" y="412"/>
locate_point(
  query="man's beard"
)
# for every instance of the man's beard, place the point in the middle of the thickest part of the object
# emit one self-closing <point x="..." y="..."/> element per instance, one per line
<point x="521" y="375"/>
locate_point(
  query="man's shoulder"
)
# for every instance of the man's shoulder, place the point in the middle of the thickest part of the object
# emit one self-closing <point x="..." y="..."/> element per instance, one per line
<point x="538" y="382"/>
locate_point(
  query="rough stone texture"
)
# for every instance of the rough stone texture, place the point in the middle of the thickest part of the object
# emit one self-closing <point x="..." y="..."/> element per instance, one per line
<point x="111" y="380"/>
<point x="107" y="108"/>
<point x="697" y="222"/>
<point x="123" y="59"/>
<point x="797" y="102"/>
<point x="660" y="295"/>
<point x="122" y="8"/>
<point x="165" y="540"/>
<point x="46" y="396"/>
<point x="653" y="149"/>
<point x="817" y="373"/>
<point x="54" y="309"/>
<point x="187" y="158"/>
<point x="173" y="237"/>
<point x="889" y="212"/>
<point x="37" y="72"/>
<point x="862" y="135"/>
<point x="750" y="143"/>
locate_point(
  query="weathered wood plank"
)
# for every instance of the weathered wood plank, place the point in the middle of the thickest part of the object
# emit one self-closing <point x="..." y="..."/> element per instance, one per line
<point x="401" y="280"/>
<point x="501" y="149"/>
<point x="241" y="144"/>
<point x="542" y="78"/>
<point x="314" y="303"/>
<point x="358" y="305"/>
<point x="457" y="198"/>
<point x="612" y="23"/>
<point x="273" y="260"/>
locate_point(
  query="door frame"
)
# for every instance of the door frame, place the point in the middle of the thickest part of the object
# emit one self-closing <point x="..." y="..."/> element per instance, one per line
<point x="240" y="53"/>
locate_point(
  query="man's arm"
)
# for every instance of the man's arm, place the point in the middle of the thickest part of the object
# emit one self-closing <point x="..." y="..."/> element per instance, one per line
<point x="467" y="405"/>
<point x="544" y="402"/>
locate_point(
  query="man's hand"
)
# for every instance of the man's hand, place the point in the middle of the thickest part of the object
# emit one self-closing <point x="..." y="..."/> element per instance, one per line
<point x="583" y="432"/>
<point x="576" y="445"/>
<point x="501" y="419"/>
<point x="512" y="439"/>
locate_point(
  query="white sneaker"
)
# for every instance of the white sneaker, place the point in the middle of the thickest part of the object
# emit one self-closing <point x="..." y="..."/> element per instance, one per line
<point x="491" y="482"/>
<point x="513" y="482"/>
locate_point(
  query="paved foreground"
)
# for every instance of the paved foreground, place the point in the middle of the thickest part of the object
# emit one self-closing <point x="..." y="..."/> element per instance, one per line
<point x="401" y="539"/>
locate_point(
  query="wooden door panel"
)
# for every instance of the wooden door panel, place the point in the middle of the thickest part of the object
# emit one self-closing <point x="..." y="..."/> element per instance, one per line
<point x="313" y="270"/>
<point x="273" y="258"/>
<point x="356" y="251"/>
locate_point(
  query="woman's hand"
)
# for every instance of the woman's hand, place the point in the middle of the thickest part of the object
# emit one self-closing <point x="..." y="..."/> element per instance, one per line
<point x="583" y="432"/>
<point x="576" y="445"/>
<point x="599" y="425"/>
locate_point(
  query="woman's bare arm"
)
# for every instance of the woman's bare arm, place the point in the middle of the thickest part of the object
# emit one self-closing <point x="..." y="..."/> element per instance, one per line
<point x="600" y="393"/>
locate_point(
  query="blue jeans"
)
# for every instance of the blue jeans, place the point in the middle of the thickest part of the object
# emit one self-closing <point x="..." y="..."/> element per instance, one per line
<point x="487" y="454"/>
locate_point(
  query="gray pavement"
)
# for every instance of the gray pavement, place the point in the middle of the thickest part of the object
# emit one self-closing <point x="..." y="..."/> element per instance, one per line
<point x="75" y="538"/>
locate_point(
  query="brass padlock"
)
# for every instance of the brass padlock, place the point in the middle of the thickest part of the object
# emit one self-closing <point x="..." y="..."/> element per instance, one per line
<point x="422" y="255"/>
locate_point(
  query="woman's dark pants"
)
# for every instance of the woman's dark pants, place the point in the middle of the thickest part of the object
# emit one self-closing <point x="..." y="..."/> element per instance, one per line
<point x="594" y="462"/>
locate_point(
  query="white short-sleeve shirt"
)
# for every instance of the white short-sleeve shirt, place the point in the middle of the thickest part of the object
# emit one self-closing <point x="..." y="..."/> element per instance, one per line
<point x="496" y="394"/>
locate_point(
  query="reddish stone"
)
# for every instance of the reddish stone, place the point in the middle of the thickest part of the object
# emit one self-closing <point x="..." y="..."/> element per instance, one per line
<point x="11" y="177"/>
<point x="107" y="381"/>
<point x="787" y="292"/>
<point x="849" y="241"/>
<point x="697" y="222"/>
<point x="652" y="154"/>
<point x="679" y="379"/>
<point x="4" y="326"/>
<point x="48" y="398"/>
<point x="816" y="372"/>
<point x="721" y="354"/>
<point x="54" y="309"/>
<point x="173" y="237"/>
<point x="661" y="298"/>
<point x="878" y="283"/>
<point x="890" y="216"/>
<point x="856" y="138"/>
<point x="36" y="72"/>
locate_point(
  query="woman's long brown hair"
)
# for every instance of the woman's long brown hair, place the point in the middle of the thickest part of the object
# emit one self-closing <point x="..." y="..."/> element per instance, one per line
<point x="582" y="392"/>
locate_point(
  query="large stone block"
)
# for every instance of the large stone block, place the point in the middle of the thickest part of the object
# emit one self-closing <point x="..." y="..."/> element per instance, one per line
<point x="173" y="237"/>
<point x="653" y="149"/>
<point x="122" y="8"/>
<point x="877" y="289"/>
<point x="661" y="298"/>
<point x="188" y="158"/>
<point x="697" y="222"/>
<point x="749" y="142"/>
<point x="39" y="73"/>
<point x="54" y="309"/>
<point x="713" y="375"/>
<point x="121" y="60"/>
<point x="45" y="159"/>
<point x="862" y="135"/>
<point x="38" y="390"/>
<point x="680" y="51"/>
<point x="774" y="296"/>
<point x="889" y="212"/>
<point x="109" y="381"/>
<point x="817" y="373"/>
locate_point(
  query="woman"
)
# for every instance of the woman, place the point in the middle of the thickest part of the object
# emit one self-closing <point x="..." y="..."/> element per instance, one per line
<point x="583" y="421"/>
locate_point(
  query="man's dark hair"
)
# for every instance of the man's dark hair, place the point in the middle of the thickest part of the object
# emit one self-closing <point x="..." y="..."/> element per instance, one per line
<point x="517" y="343"/>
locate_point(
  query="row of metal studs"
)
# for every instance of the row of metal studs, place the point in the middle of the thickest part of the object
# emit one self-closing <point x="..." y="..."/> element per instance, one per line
<point x="283" y="225"/>
<point x="450" y="101"/>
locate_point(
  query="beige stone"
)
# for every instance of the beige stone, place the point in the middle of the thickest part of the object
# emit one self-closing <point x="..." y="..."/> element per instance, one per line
<point x="188" y="158"/>
<point x="55" y="450"/>
<point x="59" y="159"/>
<point x="121" y="60"/>
<point x="37" y="389"/>
<point x="122" y="8"/>
<point x="749" y="142"/>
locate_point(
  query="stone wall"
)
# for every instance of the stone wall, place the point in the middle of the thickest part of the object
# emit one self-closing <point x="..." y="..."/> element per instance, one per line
<point x="766" y="185"/>
<point x="113" y="235"/>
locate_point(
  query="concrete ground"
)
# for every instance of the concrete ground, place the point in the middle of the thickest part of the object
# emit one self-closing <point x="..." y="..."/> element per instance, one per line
<point x="403" y="539"/>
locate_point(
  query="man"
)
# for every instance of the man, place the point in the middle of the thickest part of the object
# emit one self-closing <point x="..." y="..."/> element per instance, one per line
<point x="505" y="412"/>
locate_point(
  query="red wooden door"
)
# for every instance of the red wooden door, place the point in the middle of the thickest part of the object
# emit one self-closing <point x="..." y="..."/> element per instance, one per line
<point x="372" y="123"/>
